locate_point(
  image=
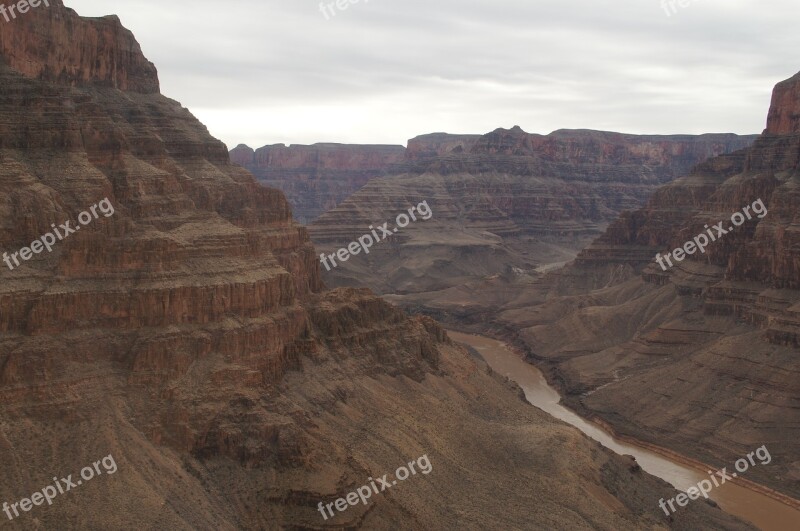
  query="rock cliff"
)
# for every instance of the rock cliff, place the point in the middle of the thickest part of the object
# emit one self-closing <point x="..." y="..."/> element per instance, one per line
<point x="189" y="336"/>
<point x="505" y="201"/>
<point x="77" y="52"/>
<point x="317" y="178"/>
<point x="701" y="357"/>
<point x="784" y="112"/>
<point x="435" y="145"/>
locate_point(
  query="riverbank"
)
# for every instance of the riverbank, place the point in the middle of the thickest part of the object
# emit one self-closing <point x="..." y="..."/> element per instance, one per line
<point x="768" y="509"/>
<point x="695" y="464"/>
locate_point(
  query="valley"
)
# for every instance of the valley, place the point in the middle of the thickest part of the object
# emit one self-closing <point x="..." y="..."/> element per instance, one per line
<point x="699" y="359"/>
<point x="767" y="509"/>
<point x="257" y="338"/>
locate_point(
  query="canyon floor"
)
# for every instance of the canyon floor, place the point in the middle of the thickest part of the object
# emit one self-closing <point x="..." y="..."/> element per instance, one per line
<point x="190" y="337"/>
<point x="678" y="359"/>
<point x="700" y="358"/>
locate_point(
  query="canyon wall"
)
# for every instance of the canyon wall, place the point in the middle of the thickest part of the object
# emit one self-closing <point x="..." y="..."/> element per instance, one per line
<point x="437" y="144"/>
<point x="189" y="336"/>
<point x="317" y="178"/>
<point x="502" y="202"/>
<point x="701" y="357"/>
<point x="63" y="58"/>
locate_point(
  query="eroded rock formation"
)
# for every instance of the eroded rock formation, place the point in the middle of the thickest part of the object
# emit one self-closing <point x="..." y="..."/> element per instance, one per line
<point x="703" y="357"/>
<point x="189" y="336"/>
<point x="319" y="177"/>
<point x="80" y="52"/>
<point x="505" y="201"/>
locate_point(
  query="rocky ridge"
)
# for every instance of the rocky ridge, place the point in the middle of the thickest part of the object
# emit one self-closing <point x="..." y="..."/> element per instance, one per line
<point x="502" y="202"/>
<point x="701" y="358"/>
<point x="317" y="178"/>
<point x="189" y="335"/>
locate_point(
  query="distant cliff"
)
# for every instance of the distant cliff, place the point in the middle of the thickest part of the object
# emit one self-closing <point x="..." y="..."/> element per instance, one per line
<point x="191" y="337"/>
<point x="504" y="200"/>
<point x="703" y="357"/>
<point x="317" y="178"/>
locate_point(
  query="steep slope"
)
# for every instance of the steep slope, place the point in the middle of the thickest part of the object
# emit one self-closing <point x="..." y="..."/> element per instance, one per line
<point x="702" y="356"/>
<point x="185" y="335"/>
<point x="504" y="202"/>
<point x="317" y="178"/>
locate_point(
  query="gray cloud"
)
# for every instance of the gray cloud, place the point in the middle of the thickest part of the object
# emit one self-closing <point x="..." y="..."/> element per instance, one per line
<point x="269" y="71"/>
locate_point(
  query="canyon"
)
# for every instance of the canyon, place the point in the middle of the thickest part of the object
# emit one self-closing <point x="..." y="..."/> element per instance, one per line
<point x="318" y="178"/>
<point x="701" y="359"/>
<point x="191" y="335"/>
<point x="504" y="203"/>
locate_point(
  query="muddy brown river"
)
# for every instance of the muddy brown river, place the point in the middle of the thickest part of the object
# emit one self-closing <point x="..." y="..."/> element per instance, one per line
<point x="763" y="511"/>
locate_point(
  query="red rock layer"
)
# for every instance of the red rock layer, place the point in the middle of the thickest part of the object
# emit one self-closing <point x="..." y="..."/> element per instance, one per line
<point x="53" y="44"/>
<point x="703" y="357"/>
<point x="573" y="155"/>
<point x="764" y="250"/>
<point x="566" y="182"/>
<point x="438" y="144"/>
<point x="784" y="113"/>
<point x="189" y="337"/>
<point x="502" y="202"/>
<point x="317" y="178"/>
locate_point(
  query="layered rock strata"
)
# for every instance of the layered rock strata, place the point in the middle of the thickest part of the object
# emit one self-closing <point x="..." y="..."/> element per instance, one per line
<point x="317" y="178"/>
<point x="701" y="358"/>
<point x="502" y="202"/>
<point x="190" y="337"/>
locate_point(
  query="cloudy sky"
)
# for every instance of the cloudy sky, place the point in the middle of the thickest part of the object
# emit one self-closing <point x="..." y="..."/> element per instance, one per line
<point x="382" y="71"/>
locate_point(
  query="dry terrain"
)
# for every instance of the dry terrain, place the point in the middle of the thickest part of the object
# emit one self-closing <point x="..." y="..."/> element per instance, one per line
<point x="189" y="335"/>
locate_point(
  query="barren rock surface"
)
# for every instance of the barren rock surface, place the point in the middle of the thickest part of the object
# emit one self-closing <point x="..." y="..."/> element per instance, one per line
<point x="503" y="203"/>
<point x="189" y="336"/>
<point x="319" y="177"/>
<point x="701" y="358"/>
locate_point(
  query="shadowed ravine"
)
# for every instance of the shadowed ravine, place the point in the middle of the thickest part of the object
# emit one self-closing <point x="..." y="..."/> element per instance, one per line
<point x="760" y="509"/>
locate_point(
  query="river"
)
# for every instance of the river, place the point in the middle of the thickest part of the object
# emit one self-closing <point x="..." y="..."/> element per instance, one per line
<point x="765" y="512"/>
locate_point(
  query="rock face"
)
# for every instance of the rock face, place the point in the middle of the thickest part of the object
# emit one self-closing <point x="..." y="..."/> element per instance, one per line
<point x="784" y="113"/>
<point x="438" y="144"/>
<point x="577" y="154"/>
<point x="79" y="52"/>
<point x="317" y="178"/>
<point x="188" y="335"/>
<point x="502" y="202"/>
<point x="701" y="357"/>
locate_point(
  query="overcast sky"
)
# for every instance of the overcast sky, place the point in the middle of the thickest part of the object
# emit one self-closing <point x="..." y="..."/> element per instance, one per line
<point x="383" y="71"/>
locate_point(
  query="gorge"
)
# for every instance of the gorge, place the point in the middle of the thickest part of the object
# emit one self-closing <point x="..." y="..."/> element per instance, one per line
<point x="767" y="509"/>
<point x="700" y="359"/>
<point x="192" y="337"/>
